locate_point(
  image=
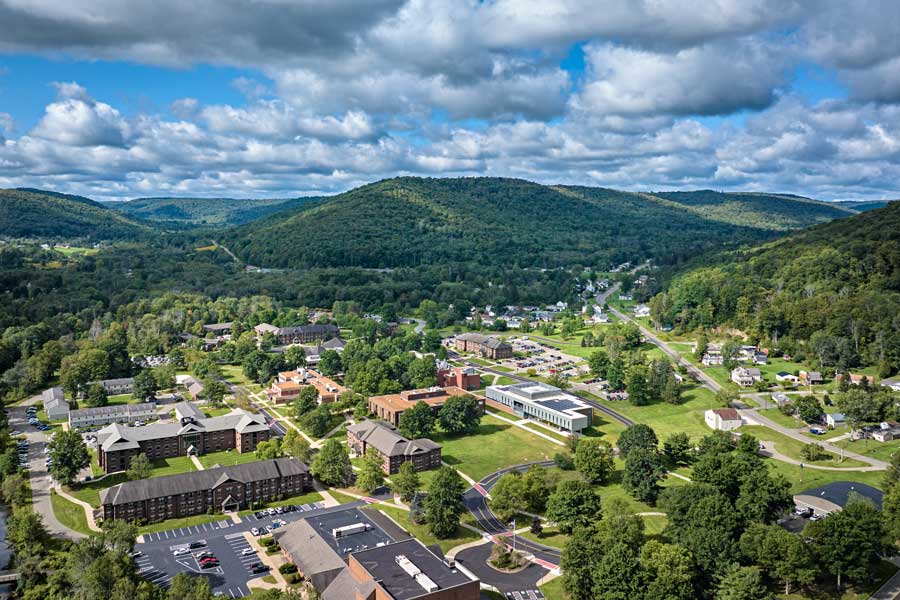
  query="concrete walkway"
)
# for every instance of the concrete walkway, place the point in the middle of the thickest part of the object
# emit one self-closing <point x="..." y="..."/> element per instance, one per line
<point x="197" y="462"/>
<point x="521" y="425"/>
<point x="88" y="509"/>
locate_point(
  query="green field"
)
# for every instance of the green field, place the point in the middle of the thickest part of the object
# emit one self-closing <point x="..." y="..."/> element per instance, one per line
<point x="217" y="412"/>
<point x="553" y="590"/>
<point x="550" y="536"/>
<point x="805" y="479"/>
<point x="90" y="492"/>
<point x="226" y="458"/>
<point x="69" y="514"/>
<point x="791" y="447"/>
<point x="495" y="445"/>
<point x="666" y="419"/>
<point x="879" y="450"/>
<point x="235" y="374"/>
<point x="120" y="399"/>
<point x="781" y="418"/>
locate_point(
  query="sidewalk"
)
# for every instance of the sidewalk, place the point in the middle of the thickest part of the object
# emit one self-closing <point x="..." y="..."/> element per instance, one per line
<point x="88" y="509"/>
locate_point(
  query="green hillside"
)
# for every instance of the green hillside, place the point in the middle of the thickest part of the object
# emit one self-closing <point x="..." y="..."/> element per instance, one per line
<point x="415" y="221"/>
<point x="862" y="206"/>
<point x="778" y="212"/>
<point x="203" y="211"/>
<point x="832" y="290"/>
<point x="28" y="213"/>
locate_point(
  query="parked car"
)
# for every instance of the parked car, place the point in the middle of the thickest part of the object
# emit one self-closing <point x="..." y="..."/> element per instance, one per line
<point x="815" y="517"/>
<point x="256" y="531"/>
<point x="259" y="568"/>
<point x="817" y="431"/>
<point x="248" y="551"/>
<point x="181" y="552"/>
<point x="802" y="511"/>
<point x="209" y="558"/>
<point x="204" y="554"/>
<point x="198" y="544"/>
<point x="209" y="565"/>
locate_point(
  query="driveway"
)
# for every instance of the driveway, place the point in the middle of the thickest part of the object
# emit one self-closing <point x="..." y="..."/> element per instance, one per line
<point x="40" y="477"/>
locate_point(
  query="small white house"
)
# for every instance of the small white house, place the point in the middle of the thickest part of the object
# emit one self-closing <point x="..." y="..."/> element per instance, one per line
<point x="786" y="377"/>
<point x="722" y="419"/>
<point x="834" y="420"/>
<point x="746" y="377"/>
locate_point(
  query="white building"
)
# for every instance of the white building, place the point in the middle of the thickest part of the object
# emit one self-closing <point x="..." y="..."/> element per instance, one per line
<point x="55" y="404"/>
<point x="722" y="419"/>
<point x="117" y="413"/>
<point x="543" y="402"/>
<point x="745" y="377"/>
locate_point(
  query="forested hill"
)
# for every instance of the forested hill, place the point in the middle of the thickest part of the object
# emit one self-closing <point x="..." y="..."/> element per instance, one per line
<point x="26" y="213"/>
<point x="779" y="212"/>
<point x="835" y="285"/>
<point x="198" y="212"/>
<point x="411" y="221"/>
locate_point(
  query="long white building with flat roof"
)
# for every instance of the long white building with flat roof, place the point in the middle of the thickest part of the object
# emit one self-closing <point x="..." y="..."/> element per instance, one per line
<point x="543" y="402"/>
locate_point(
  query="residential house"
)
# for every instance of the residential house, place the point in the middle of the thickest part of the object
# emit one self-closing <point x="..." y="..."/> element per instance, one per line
<point x="641" y="310"/>
<point x="746" y="377"/>
<point x="835" y="420"/>
<point x="219" y="328"/>
<point x="811" y="378"/>
<point x="781" y="398"/>
<point x="887" y="431"/>
<point x="219" y="489"/>
<point x="722" y="419"/>
<point x="393" y="448"/>
<point x="115" y="387"/>
<point x="785" y="377"/>
<point x="855" y="379"/>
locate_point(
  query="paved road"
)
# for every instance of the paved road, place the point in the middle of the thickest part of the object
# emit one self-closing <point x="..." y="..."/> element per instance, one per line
<point x="37" y="469"/>
<point x="748" y="413"/>
<point x="477" y="504"/>
<point x="225" y="539"/>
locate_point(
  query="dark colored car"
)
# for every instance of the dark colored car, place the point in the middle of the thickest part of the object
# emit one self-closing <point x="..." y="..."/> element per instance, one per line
<point x="259" y="568"/>
<point x="193" y="545"/>
<point x="212" y="564"/>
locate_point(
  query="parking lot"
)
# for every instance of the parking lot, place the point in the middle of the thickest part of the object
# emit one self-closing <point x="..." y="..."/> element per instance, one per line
<point x="225" y="540"/>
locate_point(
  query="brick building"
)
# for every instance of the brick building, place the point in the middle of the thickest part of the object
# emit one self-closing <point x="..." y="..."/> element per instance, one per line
<point x="298" y="334"/>
<point x="390" y="406"/>
<point x="220" y="489"/>
<point x="289" y="384"/>
<point x="239" y="430"/>
<point x="483" y="345"/>
<point x="393" y="447"/>
<point x="466" y="378"/>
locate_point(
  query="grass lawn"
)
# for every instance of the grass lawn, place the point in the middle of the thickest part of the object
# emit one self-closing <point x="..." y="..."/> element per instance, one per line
<point x="654" y="525"/>
<point x="217" y="412"/>
<point x="543" y="430"/>
<point x="226" y="458"/>
<point x="553" y="590"/>
<point x="171" y="466"/>
<point x="90" y="492"/>
<point x="805" y="479"/>
<point x="235" y="374"/>
<point x="69" y="514"/>
<point x="120" y="399"/>
<point x="603" y="425"/>
<point x="550" y="536"/>
<point x="495" y="445"/>
<point x="666" y="419"/>
<point x="421" y="532"/>
<point x="791" y="447"/>
<point x="308" y="498"/>
<point x="880" y="450"/>
<point x="185" y="522"/>
<point x="343" y="498"/>
<point x="781" y="418"/>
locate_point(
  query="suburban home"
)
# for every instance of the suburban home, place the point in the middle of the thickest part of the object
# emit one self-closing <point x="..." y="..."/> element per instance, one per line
<point x="542" y="402"/>
<point x="115" y="413"/>
<point x="389" y="407"/>
<point x="641" y="310"/>
<point x="722" y="419"/>
<point x="855" y="379"/>
<point x="465" y="378"/>
<point x="811" y="378"/>
<point x="746" y="377"/>
<point x="785" y="377"/>
<point x="289" y="384"/>
<point x="712" y="357"/>
<point x="887" y="431"/>
<point x="781" y="398"/>
<point x="220" y="489"/>
<point x="55" y="404"/>
<point x="298" y="334"/>
<point x="239" y="430"/>
<point x="483" y="345"/>
<point x="835" y="420"/>
<point x="834" y="496"/>
<point x="358" y="553"/>
<point x="393" y="447"/>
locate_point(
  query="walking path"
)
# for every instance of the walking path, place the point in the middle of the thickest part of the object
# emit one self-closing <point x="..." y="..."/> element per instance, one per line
<point x="770" y="450"/>
<point x="521" y="425"/>
<point x="197" y="462"/>
<point x="88" y="509"/>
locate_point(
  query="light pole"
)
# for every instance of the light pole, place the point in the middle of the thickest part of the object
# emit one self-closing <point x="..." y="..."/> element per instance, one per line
<point x="514" y="534"/>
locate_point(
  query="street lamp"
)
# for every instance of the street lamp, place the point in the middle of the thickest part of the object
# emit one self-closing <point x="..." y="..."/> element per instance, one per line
<point x="513" y="525"/>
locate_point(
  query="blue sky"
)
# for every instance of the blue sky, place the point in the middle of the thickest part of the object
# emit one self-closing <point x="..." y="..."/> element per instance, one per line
<point x="115" y="100"/>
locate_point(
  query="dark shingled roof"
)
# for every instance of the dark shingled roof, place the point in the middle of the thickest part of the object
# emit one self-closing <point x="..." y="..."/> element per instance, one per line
<point x="387" y="441"/>
<point x="196" y="481"/>
<point x="484" y="340"/>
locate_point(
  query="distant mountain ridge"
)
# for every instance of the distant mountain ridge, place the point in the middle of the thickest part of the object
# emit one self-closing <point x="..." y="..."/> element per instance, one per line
<point x="200" y="212"/>
<point x="409" y="221"/>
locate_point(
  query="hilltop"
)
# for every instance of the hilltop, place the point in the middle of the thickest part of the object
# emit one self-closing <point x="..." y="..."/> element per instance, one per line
<point x="28" y="213"/>
<point x="411" y="221"/>
<point x="836" y="285"/>
<point x="199" y="212"/>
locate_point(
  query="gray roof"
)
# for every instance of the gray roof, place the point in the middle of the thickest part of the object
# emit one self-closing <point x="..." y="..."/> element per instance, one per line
<point x="188" y="409"/>
<point x="115" y="410"/>
<point x="315" y="328"/>
<point x="239" y="420"/>
<point x="53" y="397"/>
<point x="484" y="340"/>
<point x="218" y="326"/>
<point x="196" y="481"/>
<point x="311" y="553"/>
<point x="108" y="383"/>
<point x="384" y="438"/>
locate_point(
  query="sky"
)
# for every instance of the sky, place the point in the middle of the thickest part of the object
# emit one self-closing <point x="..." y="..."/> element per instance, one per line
<point x="281" y="98"/>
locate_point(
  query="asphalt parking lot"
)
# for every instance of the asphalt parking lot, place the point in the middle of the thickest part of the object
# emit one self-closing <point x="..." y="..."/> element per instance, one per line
<point x="224" y="539"/>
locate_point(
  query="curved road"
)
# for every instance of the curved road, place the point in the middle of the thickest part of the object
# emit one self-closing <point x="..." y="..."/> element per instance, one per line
<point x="476" y="501"/>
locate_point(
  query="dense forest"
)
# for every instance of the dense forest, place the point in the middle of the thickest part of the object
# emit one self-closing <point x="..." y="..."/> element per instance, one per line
<point x="413" y="221"/>
<point x="831" y="292"/>
<point x="38" y="214"/>
<point x="202" y="212"/>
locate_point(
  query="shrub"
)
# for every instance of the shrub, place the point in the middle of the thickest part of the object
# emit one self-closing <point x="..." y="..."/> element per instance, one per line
<point x="287" y="568"/>
<point x="267" y="541"/>
<point x="564" y="461"/>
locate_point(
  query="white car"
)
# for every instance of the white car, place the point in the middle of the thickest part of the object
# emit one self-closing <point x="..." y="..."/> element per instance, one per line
<point x="248" y="551"/>
<point x="256" y="531"/>
<point x="181" y="552"/>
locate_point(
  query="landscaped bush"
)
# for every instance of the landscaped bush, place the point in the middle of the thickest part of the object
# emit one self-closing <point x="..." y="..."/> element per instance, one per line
<point x="267" y="541"/>
<point x="287" y="568"/>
